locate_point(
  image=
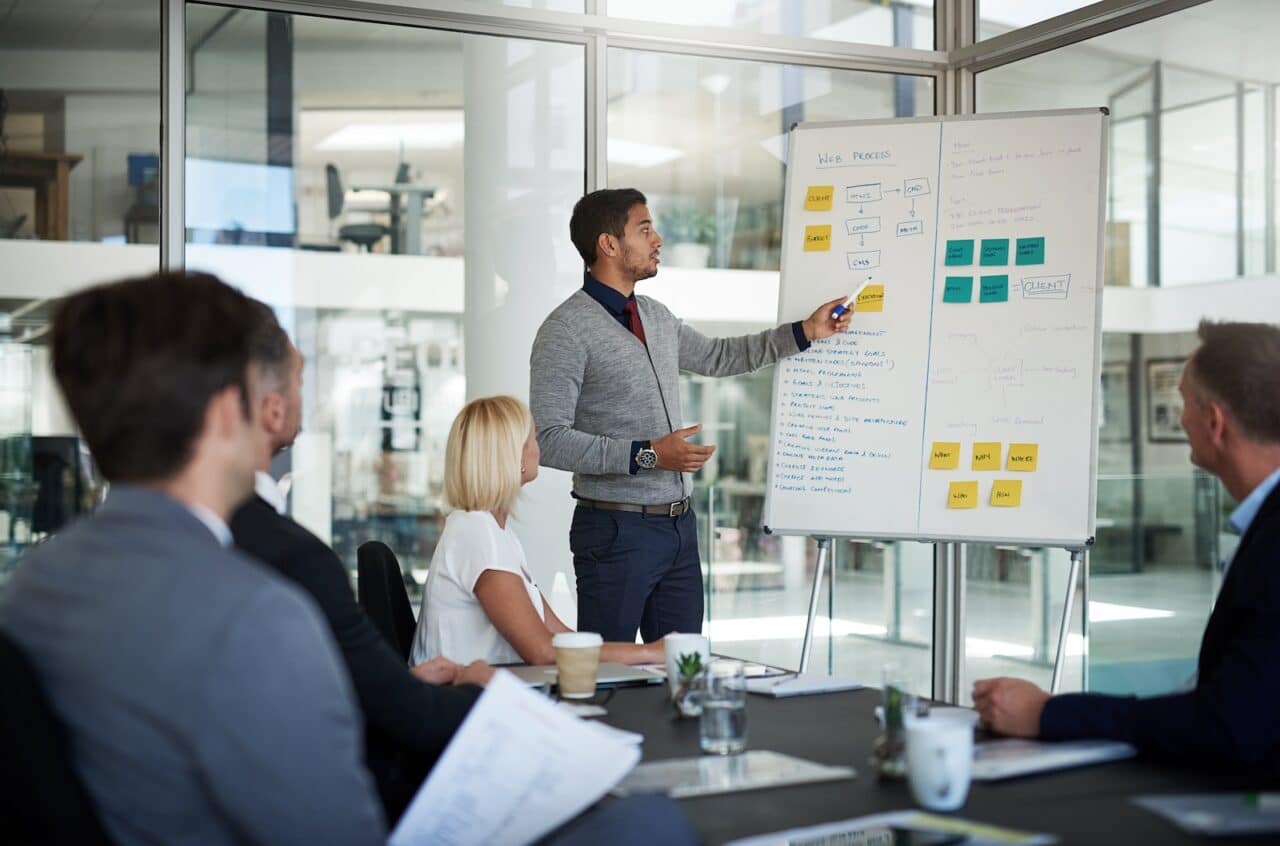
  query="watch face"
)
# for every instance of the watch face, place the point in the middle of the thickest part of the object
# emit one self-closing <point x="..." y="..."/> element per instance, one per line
<point x="647" y="458"/>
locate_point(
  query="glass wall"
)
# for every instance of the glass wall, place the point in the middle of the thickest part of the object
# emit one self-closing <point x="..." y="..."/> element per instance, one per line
<point x="79" y="145"/>
<point x="715" y="182"/>
<point x="401" y="196"/>
<point x="376" y="184"/>
<point x="1188" y="148"/>
<point x="902" y="23"/>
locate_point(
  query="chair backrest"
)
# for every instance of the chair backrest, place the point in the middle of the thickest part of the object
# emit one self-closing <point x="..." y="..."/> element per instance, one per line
<point x="333" y="188"/>
<point x="380" y="590"/>
<point x="42" y="800"/>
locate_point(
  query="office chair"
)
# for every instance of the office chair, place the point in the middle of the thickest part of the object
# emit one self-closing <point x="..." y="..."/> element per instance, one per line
<point x="381" y="593"/>
<point x="41" y="798"/>
<point x="361" y="234"/>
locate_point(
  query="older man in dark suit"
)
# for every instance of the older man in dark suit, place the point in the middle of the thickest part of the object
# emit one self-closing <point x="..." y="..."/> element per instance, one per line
<point x="409" y="715"/>
<point x="1231" y="414"/>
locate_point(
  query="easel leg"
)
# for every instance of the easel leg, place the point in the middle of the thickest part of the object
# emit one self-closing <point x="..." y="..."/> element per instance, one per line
<point x="819" y="570"/>
<point x="1059" y="663"/>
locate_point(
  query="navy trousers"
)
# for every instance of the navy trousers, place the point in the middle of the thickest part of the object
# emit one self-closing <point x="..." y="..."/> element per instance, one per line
<point x="636" y="571"/>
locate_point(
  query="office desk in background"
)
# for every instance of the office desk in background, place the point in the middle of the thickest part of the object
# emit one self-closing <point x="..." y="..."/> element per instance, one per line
<point x="1086" y="805"/>
<point x="414" y="196"/>
<point x="50" y="175"/>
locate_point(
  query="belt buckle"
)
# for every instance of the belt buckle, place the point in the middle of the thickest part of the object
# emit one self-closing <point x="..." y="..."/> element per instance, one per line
<point x="675" y="509"/>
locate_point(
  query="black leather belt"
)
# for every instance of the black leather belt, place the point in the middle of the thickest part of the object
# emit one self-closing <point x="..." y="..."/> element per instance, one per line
<point x="669" y="509"/>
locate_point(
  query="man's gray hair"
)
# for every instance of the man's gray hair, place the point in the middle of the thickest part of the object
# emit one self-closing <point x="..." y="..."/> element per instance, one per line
<point x="1238" y="366"/>
<point x="268" y="347"/>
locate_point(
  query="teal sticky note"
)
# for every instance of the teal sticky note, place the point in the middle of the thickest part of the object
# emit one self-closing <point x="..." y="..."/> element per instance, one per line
<point x="1030" y="251"/>
<point x="994" y="289"/>
<point x="995" y="252"/>
<point x="958" y="289"/>
<point x="959" y="253"/>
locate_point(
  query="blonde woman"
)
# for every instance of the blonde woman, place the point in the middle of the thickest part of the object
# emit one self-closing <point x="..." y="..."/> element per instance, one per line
<point x="480" y="601"/>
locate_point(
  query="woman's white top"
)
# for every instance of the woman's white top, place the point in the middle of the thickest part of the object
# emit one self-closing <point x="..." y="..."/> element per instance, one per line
<point x="452" y="622"/>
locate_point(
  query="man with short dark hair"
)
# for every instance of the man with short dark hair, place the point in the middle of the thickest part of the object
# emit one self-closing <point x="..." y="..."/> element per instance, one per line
<point x="408" y="720"/>
<point x="605" y="395"/>
<point x="203" y="697"/>
<point x="1231" y="415"/>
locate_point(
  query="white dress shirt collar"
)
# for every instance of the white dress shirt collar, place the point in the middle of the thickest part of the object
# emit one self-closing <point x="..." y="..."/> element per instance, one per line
<point x="269" y="489"/>
<point x="212" y="521"/>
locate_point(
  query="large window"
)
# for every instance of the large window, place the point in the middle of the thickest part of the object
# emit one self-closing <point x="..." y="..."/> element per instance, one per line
<point x="376" y="184"/>
<point x="715" y="180"/>
<point x="902" y="23"/>
<point x="79" y="203"/>
<point x="1189" y="132"/>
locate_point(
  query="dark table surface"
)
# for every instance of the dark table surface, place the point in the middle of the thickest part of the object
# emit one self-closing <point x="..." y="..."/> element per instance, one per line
<point x="1084" y="805"/>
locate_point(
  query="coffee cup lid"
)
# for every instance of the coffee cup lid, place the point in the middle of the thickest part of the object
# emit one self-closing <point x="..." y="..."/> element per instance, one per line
<point x="572" y="640"/>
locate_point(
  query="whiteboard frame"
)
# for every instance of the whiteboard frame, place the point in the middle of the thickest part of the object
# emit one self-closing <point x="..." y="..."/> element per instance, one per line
<point x="1073" y="544"/>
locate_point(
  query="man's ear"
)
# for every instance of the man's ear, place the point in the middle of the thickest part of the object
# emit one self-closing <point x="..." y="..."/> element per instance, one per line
<point x="606" y="244"/>
<point x="1218" y="422"/>
<point x="273" y="412"/>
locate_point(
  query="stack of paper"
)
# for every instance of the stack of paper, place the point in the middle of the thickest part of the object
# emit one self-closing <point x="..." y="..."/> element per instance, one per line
<point x="517" y="768"/>
<point x="799" y="684"/>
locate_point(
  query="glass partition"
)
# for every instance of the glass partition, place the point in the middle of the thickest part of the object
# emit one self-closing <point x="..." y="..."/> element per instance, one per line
<point x="374" y="184"/>
<point x="899" y="24"/>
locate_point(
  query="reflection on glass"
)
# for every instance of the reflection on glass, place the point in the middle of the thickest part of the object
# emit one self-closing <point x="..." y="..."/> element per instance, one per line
<point x="330" y="167"/>
<point x="902" y="24"/>
<point x="714" y="177"/>
<point x="79" y="132"/>
<point x="996" y="17"/>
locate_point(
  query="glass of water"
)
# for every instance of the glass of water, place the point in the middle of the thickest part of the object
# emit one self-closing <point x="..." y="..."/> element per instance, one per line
<point x="723" y="730"/>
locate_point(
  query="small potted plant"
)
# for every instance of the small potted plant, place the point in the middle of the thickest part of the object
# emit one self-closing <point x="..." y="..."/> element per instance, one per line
<point x="689" y="233"/>
<point x="687" y="699"/>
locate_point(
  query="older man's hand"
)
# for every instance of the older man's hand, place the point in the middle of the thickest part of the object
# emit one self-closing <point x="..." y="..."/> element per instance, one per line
<point x="1009" y="706"/>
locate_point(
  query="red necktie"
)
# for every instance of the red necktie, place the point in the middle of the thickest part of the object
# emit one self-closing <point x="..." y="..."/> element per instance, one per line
<point x="633" y="315"/>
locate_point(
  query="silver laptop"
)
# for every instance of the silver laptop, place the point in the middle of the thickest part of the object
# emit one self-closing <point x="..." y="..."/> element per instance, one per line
<point x="610" y="674"/>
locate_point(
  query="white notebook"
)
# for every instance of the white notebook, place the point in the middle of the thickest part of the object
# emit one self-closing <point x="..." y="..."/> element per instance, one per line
<point x="1013" y="757"/>
<point x="800" y="684"/>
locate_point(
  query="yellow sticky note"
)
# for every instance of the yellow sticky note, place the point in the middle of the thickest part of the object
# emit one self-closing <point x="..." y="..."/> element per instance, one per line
<point x="945" y="455"/>
<point x="817" y="239"/>
<point x="1007" y="493"/>
<point x="986" y="455"/>
<point x="1023" y="457"/>
<point x="818" y="197"/>
<point x="962" y="495"/>
<point x="871" y="299"/>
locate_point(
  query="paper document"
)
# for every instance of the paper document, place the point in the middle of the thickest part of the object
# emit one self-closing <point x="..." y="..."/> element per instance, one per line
<point x="705" y="775"/>
<point x="1217" y="814"/>
<point x="1013" y="757"/>
<point x="798" y="684"/>
<point x="517" y="768"/>
<point x="879" y="829"/>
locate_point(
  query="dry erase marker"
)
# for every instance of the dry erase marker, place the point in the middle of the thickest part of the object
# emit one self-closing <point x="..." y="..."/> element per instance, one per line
<point x="844" y="306"/>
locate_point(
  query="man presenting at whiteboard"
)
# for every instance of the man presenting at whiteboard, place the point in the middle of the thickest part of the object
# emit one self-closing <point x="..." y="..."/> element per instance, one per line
<point x="605" y="396"/>
<point x="1231" y="415"/>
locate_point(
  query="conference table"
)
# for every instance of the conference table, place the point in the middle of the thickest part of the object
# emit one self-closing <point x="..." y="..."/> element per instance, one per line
<point x="1083" y="805"/>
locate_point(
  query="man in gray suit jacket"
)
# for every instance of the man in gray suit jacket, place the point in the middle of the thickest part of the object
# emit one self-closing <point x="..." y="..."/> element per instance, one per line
<point x="605" y="394"/>
<point x="203" y="696"/>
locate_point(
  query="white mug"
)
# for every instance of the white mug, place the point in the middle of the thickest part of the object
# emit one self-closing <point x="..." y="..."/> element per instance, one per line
<point x="939" y="761"/>
<point x="675" y="645"/>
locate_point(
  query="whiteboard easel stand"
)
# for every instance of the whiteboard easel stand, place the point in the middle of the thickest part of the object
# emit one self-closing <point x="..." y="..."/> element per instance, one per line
<point x="949" y="579"/>
<point x="1073" y="579"/>
<point x="819" y="570"/>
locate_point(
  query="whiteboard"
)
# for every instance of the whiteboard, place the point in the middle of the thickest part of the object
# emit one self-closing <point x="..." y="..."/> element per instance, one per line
<point x="962" y="403"/>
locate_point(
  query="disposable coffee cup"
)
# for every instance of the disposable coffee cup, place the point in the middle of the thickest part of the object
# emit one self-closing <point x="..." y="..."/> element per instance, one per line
<point x="675" y="647"/>
<point x="577" y="659"/>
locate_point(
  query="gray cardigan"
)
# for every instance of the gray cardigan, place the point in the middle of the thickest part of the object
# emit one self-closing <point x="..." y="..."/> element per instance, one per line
<point x="594" y="388"/>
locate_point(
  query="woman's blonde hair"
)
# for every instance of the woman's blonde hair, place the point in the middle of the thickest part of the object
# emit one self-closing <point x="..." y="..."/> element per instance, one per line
<point x="482" y="458"/>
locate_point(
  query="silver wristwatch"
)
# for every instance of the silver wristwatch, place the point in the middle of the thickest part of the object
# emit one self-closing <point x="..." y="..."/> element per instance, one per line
<point x="646" y="458"/>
